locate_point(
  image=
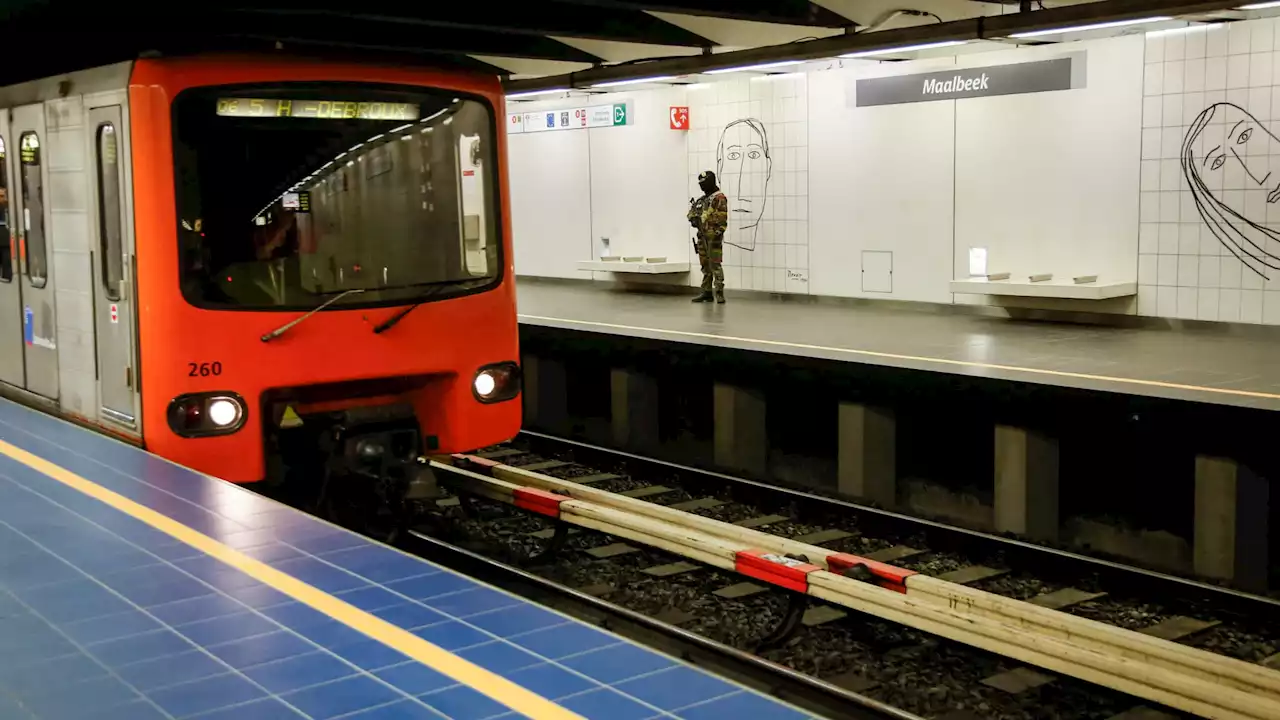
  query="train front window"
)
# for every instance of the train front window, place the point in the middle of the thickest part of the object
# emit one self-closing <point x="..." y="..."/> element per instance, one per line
<point x="292" y="196"/>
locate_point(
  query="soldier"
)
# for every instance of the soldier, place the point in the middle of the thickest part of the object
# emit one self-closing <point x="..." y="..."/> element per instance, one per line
<point x="709" y="215"/>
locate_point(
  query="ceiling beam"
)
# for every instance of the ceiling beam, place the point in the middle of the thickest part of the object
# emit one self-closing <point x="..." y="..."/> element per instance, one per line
<point x="394" y="36"/>
<point x="784" y="12"/>
<point x="978" y="28"/>
<point x="588" y="22"/>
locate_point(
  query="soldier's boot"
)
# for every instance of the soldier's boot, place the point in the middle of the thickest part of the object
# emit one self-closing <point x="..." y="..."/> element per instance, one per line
<point x="720" y="297"/>
<point x="703" y="296"/>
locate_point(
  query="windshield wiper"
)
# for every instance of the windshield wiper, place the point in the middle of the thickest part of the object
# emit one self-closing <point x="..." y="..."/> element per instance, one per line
<point x="390" y="322"/>
<point x="285" y="328"/>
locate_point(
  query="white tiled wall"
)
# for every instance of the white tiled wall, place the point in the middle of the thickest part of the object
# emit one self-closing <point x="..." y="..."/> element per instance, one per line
<point x="1184" y="270"/>
<point x="778" y="256"/>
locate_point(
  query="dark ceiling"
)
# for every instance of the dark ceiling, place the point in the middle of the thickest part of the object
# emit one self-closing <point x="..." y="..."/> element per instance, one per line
<point x="59" y="35"/>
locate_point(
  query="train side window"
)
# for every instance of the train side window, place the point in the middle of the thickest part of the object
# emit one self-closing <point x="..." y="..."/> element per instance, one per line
<point x="109" y="210"/>
<point x="34" y="250"/>
<point x="6" y="247"/>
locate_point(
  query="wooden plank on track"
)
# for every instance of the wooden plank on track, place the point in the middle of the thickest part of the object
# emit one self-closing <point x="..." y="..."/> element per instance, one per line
<point x="697" y="504"/>
<point x="646" y="491"/>
<point x="614" y="550"/>
<point x="1018" y="680"/>
<point x="1272" y="662"/>
<point x="761" y="520"/>
<point x="598" y="477"/>
<point x="597" y="590"/>
<point x="1178" y="627"/>
<point x="822" y="614"/>
<point x="549" y="532"/>
<point x="971" y="574"/>
<point x="853" y="681"/>
<point x="670" y="569"/>
<point x="1065" y="597"/>
<point x="892" y="554"/>
<point x="740" y="590"/>
<point x="674" y="616"/>
<point x="544" y="465"/>
<point x="823" y="536"/>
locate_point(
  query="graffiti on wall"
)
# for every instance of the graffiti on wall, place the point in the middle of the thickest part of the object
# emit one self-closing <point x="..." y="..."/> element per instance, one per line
<point x="744" y="166"/>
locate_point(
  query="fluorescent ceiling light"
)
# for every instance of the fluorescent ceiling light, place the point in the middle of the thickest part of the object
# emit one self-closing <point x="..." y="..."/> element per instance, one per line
<point x="904" y="48"/>
<point x="1095" y="26"/>
<point x="762" y="66"/>
<point x="636" y="81"/>
<point x="1259" y="6"/>
<point x="1176" y="31"/>
<point x="535" y="93"/>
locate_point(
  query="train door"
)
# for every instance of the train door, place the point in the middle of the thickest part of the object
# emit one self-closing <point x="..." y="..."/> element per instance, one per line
<point x="12" y="368"/>
<point x="39" y="335"/>
<point x="112" y="279"/>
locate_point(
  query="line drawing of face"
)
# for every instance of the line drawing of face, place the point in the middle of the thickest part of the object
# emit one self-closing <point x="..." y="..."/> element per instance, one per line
<point x="743" y="167"/>
<point x="1245" y="142"/>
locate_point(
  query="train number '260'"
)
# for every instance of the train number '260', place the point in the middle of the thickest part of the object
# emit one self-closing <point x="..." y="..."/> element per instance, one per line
<point x="204" y="369"/>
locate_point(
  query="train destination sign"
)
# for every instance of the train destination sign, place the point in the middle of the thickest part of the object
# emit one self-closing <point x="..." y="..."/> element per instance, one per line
<point x="321" y="109"/>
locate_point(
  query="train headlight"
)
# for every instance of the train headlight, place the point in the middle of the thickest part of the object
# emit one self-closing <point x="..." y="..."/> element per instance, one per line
<point x="205" y="414"/>
<point x="497" y="382"/>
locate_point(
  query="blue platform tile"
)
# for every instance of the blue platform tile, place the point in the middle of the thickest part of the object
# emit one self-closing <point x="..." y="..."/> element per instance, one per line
<point x="403" y="710"/>
<point x="473" y="601"/>
<point x="463" y="703"/>
<point x="452" y="635"/>
<point x="51" y="675"/>
<point x="741" y="704"/>
<point x="299" y="672"/>
<point x="258" y="596"/>
<point x="109" y="627"/>
<point x="329" y="542"/>
<point x="564" y="640"/>
<point x="499" y="657"/>
<point x="167" y="591"/>
<point x="296" y="615"/>
<point x="617" y="663"/>
<point x="261" y="649"/>
<point x="370" y="655"/>
<point x="520" y="619"/>
<point x="269" y="709"/>
<point x="185" y="612"/>
<point x="72" y="601"/>
<point x="139" y="648"/>
<point x="33" y="570"/>
<point x="429" y="586"/>
<point x="9" y="606"/>
<point x="270" y="552"/>
<point x="11" y="710"/>
<point x="676" y="688"/>
<point x="341" y="697"/>
<point x="136" y="710"/>
<point x="605" y="704"/>
<point x="370" y="598"/>
<point x="320" y="575"/>
<point x="19" y="653"/>
<point x="171" y="670"/>
<point x="550" y="681"/>
<point x="410" y="616"/>
<point x="256" y="538"/>
<point x="205" y="695"/>
<point x="414" y="678"/>
<point x="82" y="700"/>
<point x="379" y="563"/>
<point x="333" y="634"/>
<point x="228" y="628"/>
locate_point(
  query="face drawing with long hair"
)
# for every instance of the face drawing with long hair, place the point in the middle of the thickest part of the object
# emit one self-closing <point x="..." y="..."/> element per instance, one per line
<point x="743" y="166"/>
<point x="1235" y="154"/>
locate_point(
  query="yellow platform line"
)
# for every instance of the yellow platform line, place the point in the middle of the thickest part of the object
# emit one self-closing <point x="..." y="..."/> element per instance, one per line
<point x="921" y="359"/>
<point x="477" y="678"/>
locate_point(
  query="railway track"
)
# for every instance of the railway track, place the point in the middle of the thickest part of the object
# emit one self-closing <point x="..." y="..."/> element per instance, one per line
<point x="838" y="637"/>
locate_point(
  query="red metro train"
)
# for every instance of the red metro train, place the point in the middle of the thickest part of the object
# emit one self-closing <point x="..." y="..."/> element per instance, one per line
<point x="269" y="256"/>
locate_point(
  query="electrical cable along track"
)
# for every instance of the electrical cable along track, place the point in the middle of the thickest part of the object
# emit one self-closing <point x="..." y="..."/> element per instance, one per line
<point x="847" y="611"/>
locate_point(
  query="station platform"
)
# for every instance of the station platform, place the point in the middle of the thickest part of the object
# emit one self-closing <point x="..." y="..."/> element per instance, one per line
<point x="134" y="589"/>
<point x="1221" y="368"/>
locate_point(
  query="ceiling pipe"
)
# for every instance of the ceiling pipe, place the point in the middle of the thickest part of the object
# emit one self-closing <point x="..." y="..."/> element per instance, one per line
<point x="996" y="27"/>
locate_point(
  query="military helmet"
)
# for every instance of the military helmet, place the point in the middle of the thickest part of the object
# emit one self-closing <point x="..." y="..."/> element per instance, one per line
<point x="706" y="175"/>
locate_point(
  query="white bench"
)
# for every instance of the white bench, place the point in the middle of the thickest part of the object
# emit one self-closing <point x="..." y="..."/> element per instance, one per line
<point x="640" y="265"/>
<point x="1083" y="288"/>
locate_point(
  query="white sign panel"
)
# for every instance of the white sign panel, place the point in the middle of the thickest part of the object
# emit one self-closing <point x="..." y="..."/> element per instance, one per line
<point x="594" y="116"/>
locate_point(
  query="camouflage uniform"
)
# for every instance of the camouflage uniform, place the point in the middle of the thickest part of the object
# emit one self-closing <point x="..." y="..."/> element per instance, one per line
<point x="709" y="214"/>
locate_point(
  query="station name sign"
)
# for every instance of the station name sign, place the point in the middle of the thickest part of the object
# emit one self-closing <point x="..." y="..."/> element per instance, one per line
<point x="594" y="116"/>
<point x="1064" y="73"/>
